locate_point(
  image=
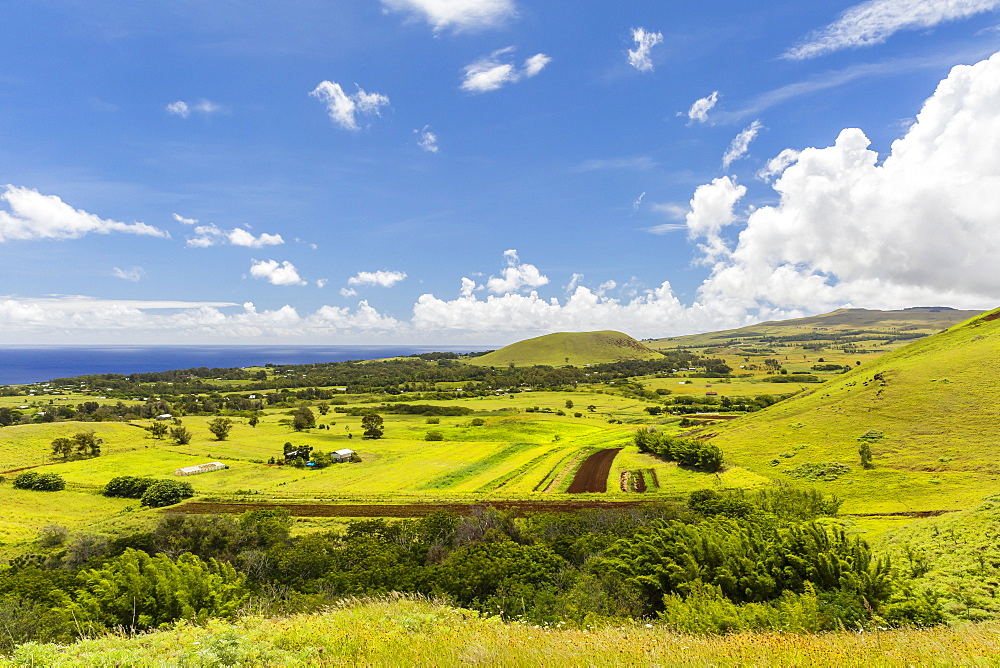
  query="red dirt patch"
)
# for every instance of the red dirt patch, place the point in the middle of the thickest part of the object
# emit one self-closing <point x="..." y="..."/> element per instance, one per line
<point x="412" y="510"/>
<point x="592" y="475"/>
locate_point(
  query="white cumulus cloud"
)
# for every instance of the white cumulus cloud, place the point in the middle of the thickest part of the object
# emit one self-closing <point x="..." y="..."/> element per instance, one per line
<point x="33" y="215"/>
<point x="499" y="69"/>
<point x="516" y="276"/>
<point x="740" y="144"/>
<point x="210" y="235"/>
<point x="187" y="221"/>
<point x="875" y="21"/>
<point x="700" y="108"/>
<point x="343" y="108"/>
<point x="275" y="273"/>
<point x="385" y="279"/>
<point x="640" y="57"/>
<point x="457" y="14"/>
<point x="919" y="228"/>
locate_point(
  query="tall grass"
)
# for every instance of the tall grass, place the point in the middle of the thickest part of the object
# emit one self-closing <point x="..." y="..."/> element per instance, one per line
<point x="406" y="631"/>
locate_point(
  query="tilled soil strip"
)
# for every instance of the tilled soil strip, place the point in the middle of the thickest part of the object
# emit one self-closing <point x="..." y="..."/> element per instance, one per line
<point x="593" y="473"/>
<point x="413" y="510"/>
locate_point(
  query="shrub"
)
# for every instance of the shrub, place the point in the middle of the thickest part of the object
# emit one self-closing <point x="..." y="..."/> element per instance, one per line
<point x="166" y="493"/>
<point x="434" y="436"/>
<point x="684" y="451"/>
<point x="477" y="422"/>
<point x="128" y="486"/>
<point x="40" y="482"/>
<point x="433" y="420"/>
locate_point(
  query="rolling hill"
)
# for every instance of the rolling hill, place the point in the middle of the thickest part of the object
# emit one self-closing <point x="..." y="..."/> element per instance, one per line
<point x="857" y="324"/>
<point x="928" y="411"/>
<point x="576" y="348"/>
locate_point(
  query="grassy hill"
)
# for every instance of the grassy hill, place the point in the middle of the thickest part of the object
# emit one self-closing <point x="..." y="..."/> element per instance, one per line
<point x="856" y="324"/>
<point x="574" y="348"/>
<point x="927" y="411"/>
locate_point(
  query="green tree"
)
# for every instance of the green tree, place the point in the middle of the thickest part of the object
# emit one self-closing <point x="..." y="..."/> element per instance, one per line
<point x="253" y="421"/>
<point x="569" y="403"/>
<point x="303" y="418"/>
<point x="158" y="429"/>
<point x="181" y="435"/>
<point x="220" y="427"/>
<point x="323" y="408"/>
<point x="166" y="493"/>
<point x="137" y="591"/>
<point x="88" y="443"/>
<point x="63" y="447"/>
<point x="591" y="408"/>
<point x="372" y="424"/>
<point x="865" y="451"/>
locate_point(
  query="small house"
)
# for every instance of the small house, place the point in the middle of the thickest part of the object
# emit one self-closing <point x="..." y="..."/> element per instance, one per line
<point x="200" y="468"/>
<point x="164" y="416"/>
<point x="343" y="455"/>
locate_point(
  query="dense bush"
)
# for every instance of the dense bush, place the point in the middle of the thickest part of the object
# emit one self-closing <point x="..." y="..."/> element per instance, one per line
<point x="128" y="486"/>
<point x="685" y="451"/>
<point x="434" y="436"/>
<point x="40" y="482"/>
<point x="166" y="493"/>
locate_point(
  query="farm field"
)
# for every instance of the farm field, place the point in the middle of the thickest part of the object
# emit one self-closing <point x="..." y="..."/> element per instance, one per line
<point x="533" y="444"/>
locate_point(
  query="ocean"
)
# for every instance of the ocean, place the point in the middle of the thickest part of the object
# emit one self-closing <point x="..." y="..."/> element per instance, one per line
<point x="32" y="364"/>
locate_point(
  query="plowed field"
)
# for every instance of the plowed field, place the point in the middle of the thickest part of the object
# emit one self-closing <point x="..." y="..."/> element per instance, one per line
<point x="593" y="473"/>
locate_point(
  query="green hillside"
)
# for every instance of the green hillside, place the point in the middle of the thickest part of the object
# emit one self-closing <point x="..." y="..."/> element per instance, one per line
<point x="928" y="412"/>
<point x="856" y="324"/>
<point x="574" y="348"/>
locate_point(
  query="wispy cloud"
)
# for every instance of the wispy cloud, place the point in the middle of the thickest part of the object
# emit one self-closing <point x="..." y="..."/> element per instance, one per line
<point x="133" y="274"/>
<point x="184" y="110"/>
<point x="875" y="21"/>
<point x="457" y="14"/>
<point x="740" y="144"/>
<point x="343" y="108"/>
<point x="832" y="79"/>
<point x="633" y="162"/>
<point x="499" y="69"/>
<point x="427" y="140"/>
<point x="640" y="57"/>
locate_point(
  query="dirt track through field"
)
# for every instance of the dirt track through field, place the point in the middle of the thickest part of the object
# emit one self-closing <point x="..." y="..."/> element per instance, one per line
<point x="411" y="510"/>
<point x="593" y="473"/>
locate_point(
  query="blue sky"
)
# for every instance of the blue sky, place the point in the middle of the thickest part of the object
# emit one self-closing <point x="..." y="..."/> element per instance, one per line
<point x="482" y="171"/>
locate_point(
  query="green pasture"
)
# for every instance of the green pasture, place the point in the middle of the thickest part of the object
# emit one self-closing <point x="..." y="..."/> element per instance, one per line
<point x="929" y="406"/>
<point x="25" y="513"/>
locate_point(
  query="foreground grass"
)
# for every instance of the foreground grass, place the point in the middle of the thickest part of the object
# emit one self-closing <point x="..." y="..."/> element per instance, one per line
<point x="407" y="632"/>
